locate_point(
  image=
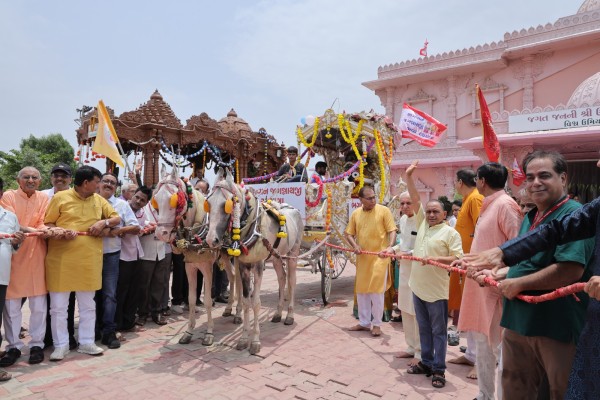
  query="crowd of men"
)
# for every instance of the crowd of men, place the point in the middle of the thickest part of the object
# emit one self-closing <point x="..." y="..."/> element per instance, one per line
<point x="518" y="350"/>
<point x="86" y="247"/>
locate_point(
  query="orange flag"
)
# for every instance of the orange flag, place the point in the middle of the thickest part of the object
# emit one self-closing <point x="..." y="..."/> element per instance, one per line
<point x="490" y="141"/>
<point x="517" y="173"/>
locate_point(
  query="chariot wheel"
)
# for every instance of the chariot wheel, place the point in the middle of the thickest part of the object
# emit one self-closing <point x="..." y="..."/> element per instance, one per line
<point x="339" y="262"/>
<point x="326" y="278"/>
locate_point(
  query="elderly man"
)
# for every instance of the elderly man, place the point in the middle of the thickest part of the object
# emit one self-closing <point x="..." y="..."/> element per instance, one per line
<point x="106" y="298"/>
<point x="8" y="224"/>
<point x="28" y="277"/>
<point x="481" y="309"/>
<point x="408" y="234"/>
<point x="540" y="339"/>
<point x="371" y="228"/>
<point x="436" y="241"/>
<point x="79" y="209"/>
<point x="127" y="191"/>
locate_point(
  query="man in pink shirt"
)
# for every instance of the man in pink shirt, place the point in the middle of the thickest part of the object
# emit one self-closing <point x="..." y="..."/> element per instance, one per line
<point x="499" y="220"/>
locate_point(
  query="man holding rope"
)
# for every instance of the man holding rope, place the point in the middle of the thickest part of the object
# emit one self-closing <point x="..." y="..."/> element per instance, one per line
<point x="582" y="223"/>
<point x="371" y="228"/>
<point x="539" y="339"/>
<point x="10" y="225"/>
<point x="436" y="241"/>
<point x="75" y="264"/>
<point x="481" y="309"/>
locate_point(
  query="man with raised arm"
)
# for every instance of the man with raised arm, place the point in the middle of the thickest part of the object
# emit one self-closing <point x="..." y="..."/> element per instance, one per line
<point x="436" y="241"/>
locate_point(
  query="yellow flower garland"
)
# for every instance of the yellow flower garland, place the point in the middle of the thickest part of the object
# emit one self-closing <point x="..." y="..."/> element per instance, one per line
<point x="314" y="137"/>
<point x="381" y="146"/>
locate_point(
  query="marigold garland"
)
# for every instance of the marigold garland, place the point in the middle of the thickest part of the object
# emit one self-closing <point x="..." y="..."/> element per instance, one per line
<point x="381" y="146"/>
<point x="314" y="137"/>
<point x="319" y="194"/>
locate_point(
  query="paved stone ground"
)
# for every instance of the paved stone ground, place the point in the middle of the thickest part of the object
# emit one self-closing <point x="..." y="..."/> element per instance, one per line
<point x="316" y="358"/>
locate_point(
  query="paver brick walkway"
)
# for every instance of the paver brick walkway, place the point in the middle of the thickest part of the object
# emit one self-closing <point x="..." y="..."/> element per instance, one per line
<point x="316" y="358"/>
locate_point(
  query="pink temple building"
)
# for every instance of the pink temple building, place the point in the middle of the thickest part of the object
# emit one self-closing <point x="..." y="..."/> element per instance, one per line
<point x="542" y="85"/>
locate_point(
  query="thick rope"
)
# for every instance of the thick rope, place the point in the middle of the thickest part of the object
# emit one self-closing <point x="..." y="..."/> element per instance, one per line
<point x="145" y="231"/>
<point x="555" y="294"/>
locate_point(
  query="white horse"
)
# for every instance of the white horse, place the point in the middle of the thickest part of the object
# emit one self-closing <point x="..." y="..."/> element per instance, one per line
<point x="259" y="241"/>
<point x="177" y="216"/>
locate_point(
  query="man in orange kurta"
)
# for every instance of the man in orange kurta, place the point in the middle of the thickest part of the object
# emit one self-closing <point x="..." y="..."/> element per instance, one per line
<point x="481" y="309"/>
<point x="27" y="276"/>
<point x="465" y="225"/>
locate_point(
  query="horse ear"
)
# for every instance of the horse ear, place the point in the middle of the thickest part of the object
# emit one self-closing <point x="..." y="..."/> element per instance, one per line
<point x="229" y="177"/>
<point x="163" y="172"/>
<point x="219" y="174"/>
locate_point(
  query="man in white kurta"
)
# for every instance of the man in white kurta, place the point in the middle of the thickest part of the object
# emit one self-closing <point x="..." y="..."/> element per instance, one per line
<point x="371" y="228"/>
<point x="408" y="234"/>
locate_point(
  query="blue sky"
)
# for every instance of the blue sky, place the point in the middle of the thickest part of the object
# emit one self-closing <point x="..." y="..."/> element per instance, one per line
<point x="272" y="61"/>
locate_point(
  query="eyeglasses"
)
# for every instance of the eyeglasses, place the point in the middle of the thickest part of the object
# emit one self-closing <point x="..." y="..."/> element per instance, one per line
<point x="28" y="177"/>
<point x="59" y="175"/>
<point x="109" y="182"/>
<point x="368" y="198"/>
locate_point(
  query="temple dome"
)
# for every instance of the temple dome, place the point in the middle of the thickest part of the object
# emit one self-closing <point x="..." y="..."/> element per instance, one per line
<point x="589" y="5"/>
<point x="587" y="93"/>
<point x="232" y="125"/>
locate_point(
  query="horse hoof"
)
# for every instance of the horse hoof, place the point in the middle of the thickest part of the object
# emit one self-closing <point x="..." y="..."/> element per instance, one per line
<point x="276" y="318"/>
<point x="208" y="339"/>
<point x="185" y="339"/>
<point x="289" y="321"/>
<point x="242" y="344"/>
<point x="254" y="348"/>
<point x="227" y="313"/>
<point x="237" y="320"/>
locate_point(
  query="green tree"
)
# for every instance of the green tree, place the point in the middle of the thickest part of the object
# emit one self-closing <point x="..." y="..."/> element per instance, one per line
<point x="42" y="153"/>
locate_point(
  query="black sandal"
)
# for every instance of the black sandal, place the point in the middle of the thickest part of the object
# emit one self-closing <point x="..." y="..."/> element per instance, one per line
<point x="419" y="369"/>
<point x="439" y="380"/>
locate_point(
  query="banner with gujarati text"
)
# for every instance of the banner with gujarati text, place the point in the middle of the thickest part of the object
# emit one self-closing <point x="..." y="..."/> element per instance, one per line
<point x="417" y="125"/>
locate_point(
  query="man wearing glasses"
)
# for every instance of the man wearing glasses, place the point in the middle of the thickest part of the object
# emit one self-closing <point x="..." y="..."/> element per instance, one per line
<point x="60" y="177"/>
<point x="106" y="298"/>
<point x="28" y="275"/>
<point x="371" y="228"/>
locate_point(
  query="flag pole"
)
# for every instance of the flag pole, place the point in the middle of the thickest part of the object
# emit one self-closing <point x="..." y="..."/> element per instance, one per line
<point x="127" y="169"/>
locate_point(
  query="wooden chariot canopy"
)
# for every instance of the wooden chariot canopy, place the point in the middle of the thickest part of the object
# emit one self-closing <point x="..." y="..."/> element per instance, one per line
<point x="154" y="132"/>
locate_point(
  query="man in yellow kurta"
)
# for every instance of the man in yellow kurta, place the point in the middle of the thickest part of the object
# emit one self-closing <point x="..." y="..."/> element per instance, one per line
<point x="28" y="274"/>
<point x="371" y="228"/>
<point x="75" y="265"/>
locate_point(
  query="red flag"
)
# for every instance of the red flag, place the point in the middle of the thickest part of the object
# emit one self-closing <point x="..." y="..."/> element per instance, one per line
<point x="423" y="51"/>
<point x="517" y="173"/>
<point x="415" y="124"/>
<point x="490" y="141"/>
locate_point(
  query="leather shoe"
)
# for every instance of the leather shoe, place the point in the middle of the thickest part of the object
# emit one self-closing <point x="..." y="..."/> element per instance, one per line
<point x="10" y="357"/>
<point x="221" y="299"/>
<point x="36" y="355"/>
<point x="158" y="319"/>
<point x="110" y="340"/>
